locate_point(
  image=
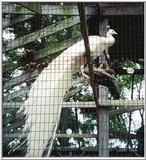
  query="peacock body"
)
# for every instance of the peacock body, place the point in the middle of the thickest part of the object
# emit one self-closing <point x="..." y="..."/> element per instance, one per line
<point x="43" y="105"/>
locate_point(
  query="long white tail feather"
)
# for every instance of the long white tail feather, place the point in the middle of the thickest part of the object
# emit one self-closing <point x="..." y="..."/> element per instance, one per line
<point x="43" y="106"/>
<point x="54" y="134"/>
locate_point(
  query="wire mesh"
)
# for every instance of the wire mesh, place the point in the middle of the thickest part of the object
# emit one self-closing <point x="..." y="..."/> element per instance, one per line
<point x="48" y="107"/>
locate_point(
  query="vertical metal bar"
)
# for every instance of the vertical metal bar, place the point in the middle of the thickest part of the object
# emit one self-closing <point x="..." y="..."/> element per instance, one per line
<point x="103" y="117"/>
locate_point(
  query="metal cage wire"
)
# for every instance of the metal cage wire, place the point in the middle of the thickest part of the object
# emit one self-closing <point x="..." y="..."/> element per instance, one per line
<point x="43" y="52"/>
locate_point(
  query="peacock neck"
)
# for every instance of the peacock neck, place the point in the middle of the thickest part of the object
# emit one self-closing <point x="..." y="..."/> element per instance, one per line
<point x="110" y="40"/>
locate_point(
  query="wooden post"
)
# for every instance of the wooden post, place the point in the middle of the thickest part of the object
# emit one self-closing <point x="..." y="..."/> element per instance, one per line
<point x="103" y="117"/>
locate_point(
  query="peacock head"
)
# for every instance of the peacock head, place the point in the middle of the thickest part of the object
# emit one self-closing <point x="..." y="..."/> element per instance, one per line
<point x="111" y="32"/>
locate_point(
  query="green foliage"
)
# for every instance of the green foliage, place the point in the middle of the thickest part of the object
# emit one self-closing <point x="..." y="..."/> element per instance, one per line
<point x="88" y="126"/>
<point x="126" y="81"/>
<point x="117" y="123"/>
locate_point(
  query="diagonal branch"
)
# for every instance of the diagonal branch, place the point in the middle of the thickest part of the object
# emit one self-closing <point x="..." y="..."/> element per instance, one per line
<point x="83" y="25"/>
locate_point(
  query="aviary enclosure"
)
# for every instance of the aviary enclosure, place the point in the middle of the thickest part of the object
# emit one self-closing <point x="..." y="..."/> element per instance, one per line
<point x="73" y="79"/>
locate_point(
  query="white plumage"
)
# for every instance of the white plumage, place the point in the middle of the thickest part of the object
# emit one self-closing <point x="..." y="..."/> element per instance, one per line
<point x="43" y="105"/>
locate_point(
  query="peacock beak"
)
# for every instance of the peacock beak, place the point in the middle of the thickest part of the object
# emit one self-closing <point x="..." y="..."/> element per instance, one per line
<point x="116" y="33"/>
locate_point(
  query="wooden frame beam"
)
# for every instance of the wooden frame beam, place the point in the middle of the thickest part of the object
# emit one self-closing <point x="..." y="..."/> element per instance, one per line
<point x="111" y="113"/>
<point x="113" y="135"/>
<point x="139" y="104"/>
<point x="21" y="79"/>
<point x="110" y="9"/>
<point x="41" y="33"/>
<point x="34" y="7"/>
<point x="103" y="116"/>
<point x="7" y="22"/>
<point x="47" y="9"/>
<point x="16" y="94"/>
<point x="106" y="9"/>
